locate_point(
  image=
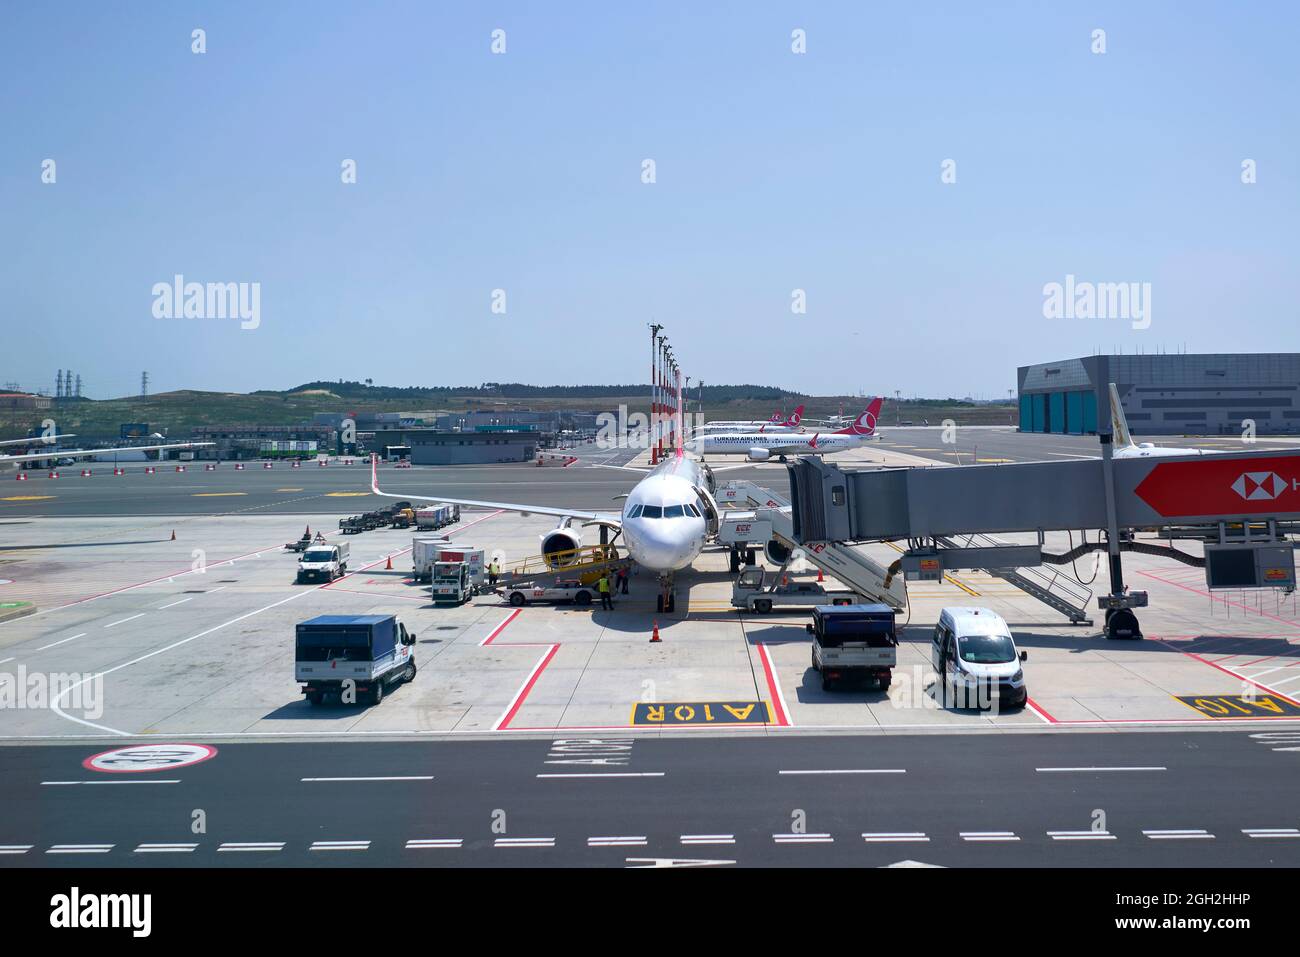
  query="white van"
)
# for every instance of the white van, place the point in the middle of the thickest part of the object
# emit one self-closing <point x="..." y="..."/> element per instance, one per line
<point x="976" y="659"/>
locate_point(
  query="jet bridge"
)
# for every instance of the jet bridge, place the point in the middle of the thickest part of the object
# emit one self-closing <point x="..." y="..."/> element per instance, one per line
<point x="846" y="562"/>
<point x="1241" y="504"/>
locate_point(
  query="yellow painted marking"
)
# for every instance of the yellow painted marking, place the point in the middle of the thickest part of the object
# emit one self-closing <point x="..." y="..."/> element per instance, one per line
<point x="288" y="490"/>
<point x="216" y="494"/>
<point x="962" y="585"/>
<point x="1237" y="706"/>
<point x="25" y="498"/>
<point x="346" y="494"/>
<point x="993" y="460"/>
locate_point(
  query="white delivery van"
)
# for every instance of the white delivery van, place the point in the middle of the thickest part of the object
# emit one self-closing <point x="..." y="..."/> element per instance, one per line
<point x="976" y="659"/>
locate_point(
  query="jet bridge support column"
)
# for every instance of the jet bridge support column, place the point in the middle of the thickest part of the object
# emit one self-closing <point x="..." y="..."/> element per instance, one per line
<point x="1119" y="604"/>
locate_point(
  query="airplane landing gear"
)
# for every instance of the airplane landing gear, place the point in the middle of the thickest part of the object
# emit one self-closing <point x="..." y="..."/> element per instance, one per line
<point x="667" y="598"/>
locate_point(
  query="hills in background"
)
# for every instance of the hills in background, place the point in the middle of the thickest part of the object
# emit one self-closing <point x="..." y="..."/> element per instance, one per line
<point x="176" y="413"/>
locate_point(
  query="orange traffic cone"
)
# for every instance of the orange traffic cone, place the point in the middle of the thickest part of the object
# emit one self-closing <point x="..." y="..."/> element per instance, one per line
<point x="173" y="534"/>
<point x="389" y="566"/>
<point x="654" y="636"/>
<point x="819" y="575"/>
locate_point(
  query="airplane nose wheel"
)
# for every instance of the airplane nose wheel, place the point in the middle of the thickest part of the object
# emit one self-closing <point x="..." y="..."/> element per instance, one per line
<point x="667" y="598"/>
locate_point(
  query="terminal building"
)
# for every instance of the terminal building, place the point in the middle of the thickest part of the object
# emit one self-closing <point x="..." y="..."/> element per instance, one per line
<point x="1171" y="394"/>
<point x="445" y="447"/>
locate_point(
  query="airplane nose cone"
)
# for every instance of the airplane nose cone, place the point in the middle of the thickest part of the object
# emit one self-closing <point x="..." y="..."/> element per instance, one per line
<point x="663" y="547"/>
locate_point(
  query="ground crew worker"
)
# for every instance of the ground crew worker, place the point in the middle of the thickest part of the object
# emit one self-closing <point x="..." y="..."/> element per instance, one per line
<point x="622" y="580"/>
<point x="602" y="586"/>
<point x="494" y="570"/>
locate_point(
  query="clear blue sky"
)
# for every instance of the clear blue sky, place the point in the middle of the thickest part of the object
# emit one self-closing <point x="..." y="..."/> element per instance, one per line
<point x="522" y="172"/>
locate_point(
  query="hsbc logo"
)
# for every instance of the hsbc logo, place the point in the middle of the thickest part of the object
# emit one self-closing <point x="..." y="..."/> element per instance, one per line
<point x="1257" y="486"/>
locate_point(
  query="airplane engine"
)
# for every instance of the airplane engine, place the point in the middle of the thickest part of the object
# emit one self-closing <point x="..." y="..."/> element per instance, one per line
<point x="759" y="455"/>
<point x="776" y="552"/>
<point x="559" y="546"/>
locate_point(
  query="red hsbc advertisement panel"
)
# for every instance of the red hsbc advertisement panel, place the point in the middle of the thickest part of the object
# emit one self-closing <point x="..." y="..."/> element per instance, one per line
<point x="1263" y="485"/>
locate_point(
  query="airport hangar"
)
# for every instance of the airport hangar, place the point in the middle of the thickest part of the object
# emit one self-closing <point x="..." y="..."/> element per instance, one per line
<point x="1165" y="394"/>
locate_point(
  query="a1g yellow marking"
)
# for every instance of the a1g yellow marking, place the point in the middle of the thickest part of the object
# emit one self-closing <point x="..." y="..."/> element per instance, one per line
<point x="656" y="714"/>
<point x="25" y="498"/>
<point x="1262" y="705"/>
<point x="346" y="494"/>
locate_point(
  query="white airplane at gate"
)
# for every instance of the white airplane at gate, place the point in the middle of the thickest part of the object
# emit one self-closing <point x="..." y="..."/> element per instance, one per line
<point x="759" y="447"/>
<point x="666" y="518"/>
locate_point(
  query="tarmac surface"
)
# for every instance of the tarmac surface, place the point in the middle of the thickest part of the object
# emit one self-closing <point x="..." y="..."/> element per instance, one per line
<point x="1094" y="801"/>
<point x="140" y="637"/>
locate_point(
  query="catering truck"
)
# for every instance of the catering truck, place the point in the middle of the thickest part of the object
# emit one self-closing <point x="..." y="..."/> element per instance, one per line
<point x="323" y="561"/>
<point x="356" y="657"/>
<point x="853" y="641"/>
<point x="428" y="550"/>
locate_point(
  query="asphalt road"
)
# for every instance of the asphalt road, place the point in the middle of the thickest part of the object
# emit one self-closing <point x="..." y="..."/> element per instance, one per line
<point x="1079" y="800"/>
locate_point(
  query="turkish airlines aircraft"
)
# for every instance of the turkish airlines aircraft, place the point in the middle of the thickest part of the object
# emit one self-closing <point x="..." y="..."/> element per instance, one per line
<point x="759" y="447"/>
<point x="774" y="424"/>
<point x="1126" y="448"/>
<point x="666" y="518"/>
<point x="7" y="461"/>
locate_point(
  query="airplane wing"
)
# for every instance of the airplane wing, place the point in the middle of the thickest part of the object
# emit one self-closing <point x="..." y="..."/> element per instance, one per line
<point x="608" y="517"/>
<point x="39" y="439"/>
<point x="621" y="468"/>
<point x="84" y="453"/>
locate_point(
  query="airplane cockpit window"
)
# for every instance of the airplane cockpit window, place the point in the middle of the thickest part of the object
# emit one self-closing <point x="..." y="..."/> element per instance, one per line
<point x="634" y="511"/>
<point x="652" y="511"/>
<point x="674" y="511"/>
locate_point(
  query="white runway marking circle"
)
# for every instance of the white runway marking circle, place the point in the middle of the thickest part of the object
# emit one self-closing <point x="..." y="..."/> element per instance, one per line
<point x="148" y="757"/>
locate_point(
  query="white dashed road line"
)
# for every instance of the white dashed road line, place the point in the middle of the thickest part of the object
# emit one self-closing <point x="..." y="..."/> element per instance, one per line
<point x="15" y="848"/>
<point x="79" y="849"/>
<point x="339" y="846"/>
<point x="1186" y="834"/>
<point x="165" y="848"/>
<point x="803" y="839"/>
<point x="895" y="837"/>
<point x="407" y="777"/>
<point x="851" y="771"/>
<point x="175" y="603"/>
<point x="708" y="839"/>
<point x="123" y="621"/>
<point x="617" y="842"/>
<point x="1270" y="832"/>
<point x="238" y="846"/>
<point x="1081" y="835"/>
<point x="524" y="842"/>
<point x="606" y="774"/>
<point x="1046" y="770"/>
<point x="114" y="781"/>
<point x="59" y="642"/>
<point x="985" y="836"/>
<point x="436" y="842"/>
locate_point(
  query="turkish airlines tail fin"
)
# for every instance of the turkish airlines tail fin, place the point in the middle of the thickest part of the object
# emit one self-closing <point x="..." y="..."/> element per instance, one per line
<point x="1118" y="424"/>
<point x="795" y="417"/>
<point x="865" y="424"/>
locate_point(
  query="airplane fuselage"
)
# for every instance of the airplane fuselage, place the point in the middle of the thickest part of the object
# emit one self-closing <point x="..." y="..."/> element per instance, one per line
<point x="664" y="523"/>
